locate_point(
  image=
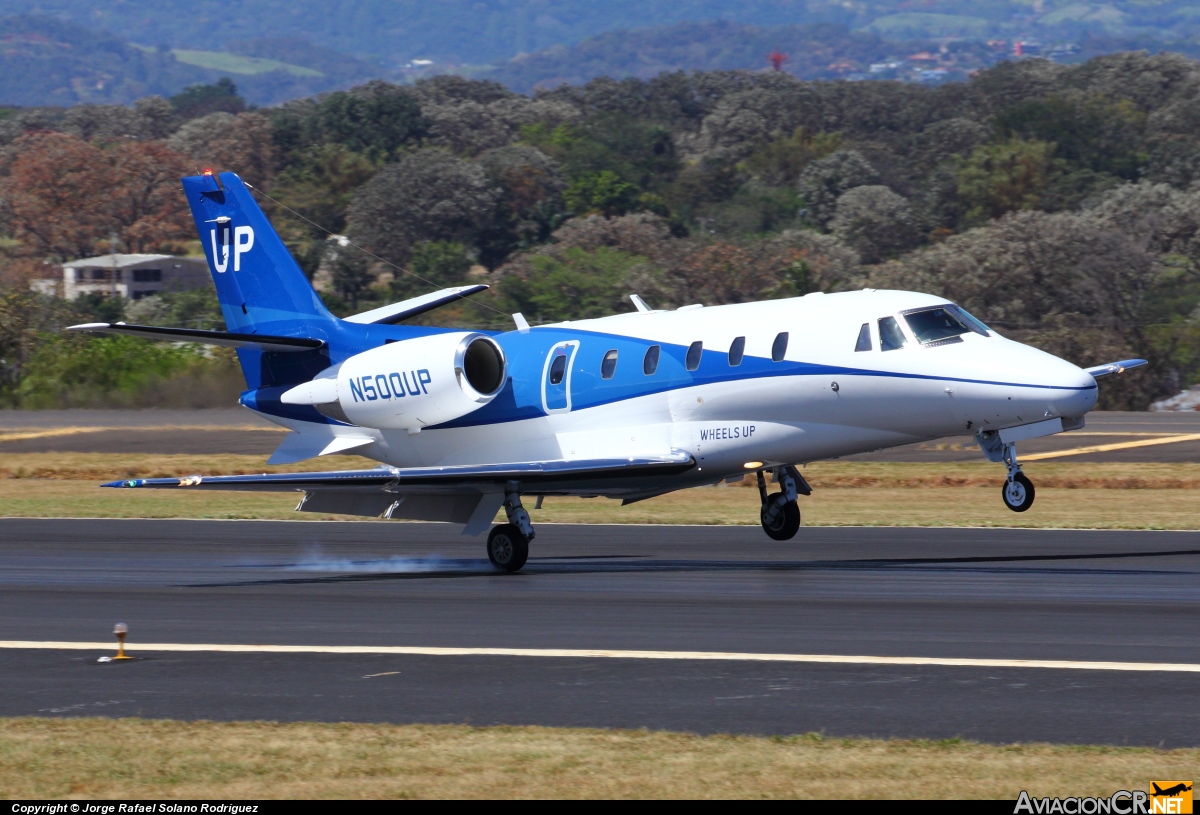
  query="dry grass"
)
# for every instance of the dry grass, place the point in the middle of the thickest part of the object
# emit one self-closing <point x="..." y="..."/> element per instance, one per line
<point x="1166" y="496"/>
<point x="132" y="758"/>
<point x="828" y="506"/>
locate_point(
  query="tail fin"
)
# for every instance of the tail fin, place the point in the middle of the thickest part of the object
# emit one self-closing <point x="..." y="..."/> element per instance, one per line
<point x="259" y="285"/>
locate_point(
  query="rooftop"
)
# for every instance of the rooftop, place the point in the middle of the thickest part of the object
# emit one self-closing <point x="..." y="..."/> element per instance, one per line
<point x="118" y="261"/>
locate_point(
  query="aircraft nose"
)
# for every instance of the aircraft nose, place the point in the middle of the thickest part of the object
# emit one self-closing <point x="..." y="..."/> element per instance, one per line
<point x="1078" y="391"/>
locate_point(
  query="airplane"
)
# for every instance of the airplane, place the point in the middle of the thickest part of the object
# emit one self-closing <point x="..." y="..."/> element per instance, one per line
<point x="628" y="406"/>
<point x="1170" y="792"/>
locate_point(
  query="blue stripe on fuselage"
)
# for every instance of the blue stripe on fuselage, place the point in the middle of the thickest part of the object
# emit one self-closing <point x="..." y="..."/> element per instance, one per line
<point x="521" y="397"/>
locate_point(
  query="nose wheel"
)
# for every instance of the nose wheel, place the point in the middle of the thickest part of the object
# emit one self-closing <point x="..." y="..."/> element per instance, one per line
<point x="1018" y="489"/>
<point x="1018" y="493"/>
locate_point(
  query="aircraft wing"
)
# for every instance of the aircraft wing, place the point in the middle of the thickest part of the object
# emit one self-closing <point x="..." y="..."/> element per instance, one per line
<point x="227" y="338"/>
<point x="533" y="476"/>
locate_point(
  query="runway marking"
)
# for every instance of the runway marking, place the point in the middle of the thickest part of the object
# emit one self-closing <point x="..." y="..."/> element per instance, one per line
<point x="24" y="435"/>
<point x="580" y="653"/>
<point x="1104" y="448"/>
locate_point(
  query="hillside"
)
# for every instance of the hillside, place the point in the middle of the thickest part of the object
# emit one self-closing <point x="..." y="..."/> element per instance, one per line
<point x="457" y="32"/>
<point x="48" y="62"/>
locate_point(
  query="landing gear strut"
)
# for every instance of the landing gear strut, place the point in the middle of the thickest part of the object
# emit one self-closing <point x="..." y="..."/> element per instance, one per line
<point x="1018" y="489"/>
<point x="780" y="514"/>
<point x="508" y="544"/>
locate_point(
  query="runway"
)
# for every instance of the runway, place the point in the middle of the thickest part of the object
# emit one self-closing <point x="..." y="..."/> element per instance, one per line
<point x="967" y="594"/>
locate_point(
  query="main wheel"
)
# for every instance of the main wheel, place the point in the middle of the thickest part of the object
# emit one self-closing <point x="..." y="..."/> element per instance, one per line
<point x="1018" y="493"/>
<point x="786" y="523"/>
<point x="507" y="548"/>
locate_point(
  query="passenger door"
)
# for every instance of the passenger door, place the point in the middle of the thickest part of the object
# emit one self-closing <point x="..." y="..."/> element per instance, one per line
<point x="556" y="377"/>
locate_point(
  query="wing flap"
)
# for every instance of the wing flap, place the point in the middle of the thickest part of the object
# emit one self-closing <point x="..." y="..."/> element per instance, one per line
<point x="452" y="478"/>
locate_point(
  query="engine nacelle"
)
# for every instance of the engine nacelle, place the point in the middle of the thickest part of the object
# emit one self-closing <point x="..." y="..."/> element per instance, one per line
<point x="409" y="384"/>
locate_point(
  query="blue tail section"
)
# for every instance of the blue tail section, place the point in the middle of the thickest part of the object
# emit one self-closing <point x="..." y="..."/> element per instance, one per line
<point x="259" y="285"/>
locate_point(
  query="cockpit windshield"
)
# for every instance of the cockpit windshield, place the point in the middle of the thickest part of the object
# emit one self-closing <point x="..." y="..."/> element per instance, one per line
<point x="939" y="324"/>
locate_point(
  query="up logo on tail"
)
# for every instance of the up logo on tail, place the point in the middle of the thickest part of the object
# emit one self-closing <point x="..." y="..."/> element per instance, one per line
<point x="243" y="242"/>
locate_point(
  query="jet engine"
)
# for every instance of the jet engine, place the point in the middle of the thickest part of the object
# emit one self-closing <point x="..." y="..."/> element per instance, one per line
<point x="409" y="384"/>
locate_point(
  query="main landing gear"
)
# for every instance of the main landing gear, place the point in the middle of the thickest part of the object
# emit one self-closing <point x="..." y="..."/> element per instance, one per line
<point x="780" y="514"/>
<point x="1018" y="489"/>
<point x="508" y="544"/>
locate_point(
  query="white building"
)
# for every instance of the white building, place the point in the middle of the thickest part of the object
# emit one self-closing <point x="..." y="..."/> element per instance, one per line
<point x="131" y="276"/>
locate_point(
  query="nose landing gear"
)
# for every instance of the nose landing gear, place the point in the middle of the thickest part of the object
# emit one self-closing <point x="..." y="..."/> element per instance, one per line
<point x="508" y="544"/>
<point x="1018" y="489"/>
<point x="780" y="514"/>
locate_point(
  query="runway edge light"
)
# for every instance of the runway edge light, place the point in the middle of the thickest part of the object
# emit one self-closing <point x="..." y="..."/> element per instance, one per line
<point x="120" y="629"/>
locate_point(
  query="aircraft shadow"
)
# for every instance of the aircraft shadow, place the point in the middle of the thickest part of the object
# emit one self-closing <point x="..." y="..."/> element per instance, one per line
<point x="627" y="564"/>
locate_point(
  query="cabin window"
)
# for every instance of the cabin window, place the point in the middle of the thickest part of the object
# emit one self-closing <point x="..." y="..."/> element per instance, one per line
<point x="694" y="352"/>
<point x="737" y="350"/>
<point x="890" y="336"/>
<point x="779" y="347"/>
<point x="558" y="369"/>
<point x="650" y="363"/>
<point x="935" y="324"/>
<point x="609" y="366"/>
<point x="864" y="338"/>
<point x="973" y="322"/>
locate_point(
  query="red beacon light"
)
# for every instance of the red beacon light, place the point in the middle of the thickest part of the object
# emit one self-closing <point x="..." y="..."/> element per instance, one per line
<point x="208" y="171"/>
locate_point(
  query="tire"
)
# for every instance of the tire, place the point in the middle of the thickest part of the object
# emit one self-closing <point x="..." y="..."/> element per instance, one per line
<point x="787" y="522"/>
<point x="507" y="548"/>
<point x="1018" y="493"/>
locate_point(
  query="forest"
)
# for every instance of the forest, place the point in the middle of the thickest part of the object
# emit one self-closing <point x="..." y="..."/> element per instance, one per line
<point x="1060" y="204"/>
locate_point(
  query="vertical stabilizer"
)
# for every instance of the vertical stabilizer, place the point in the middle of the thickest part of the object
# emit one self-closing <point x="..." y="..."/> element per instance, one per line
<point x="260" y="287"/>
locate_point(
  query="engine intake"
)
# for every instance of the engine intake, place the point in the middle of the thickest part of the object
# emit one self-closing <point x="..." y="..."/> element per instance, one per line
<point x="409" y="384"/>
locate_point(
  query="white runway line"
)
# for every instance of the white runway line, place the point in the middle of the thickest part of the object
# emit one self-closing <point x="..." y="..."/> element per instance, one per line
<point x="572" y="653"/>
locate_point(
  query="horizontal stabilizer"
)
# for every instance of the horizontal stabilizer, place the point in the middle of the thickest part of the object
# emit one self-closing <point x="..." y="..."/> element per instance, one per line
<point x="449" y="479"/>
<point x="232" y="340"/>
<point x="1116" y="367"/>
<point x="399" y="312"/>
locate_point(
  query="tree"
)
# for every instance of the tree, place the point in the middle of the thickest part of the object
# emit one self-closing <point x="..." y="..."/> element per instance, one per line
<point x="824" y="181"/>
<point x="67" y="198"/>
<point x="222" y="141"/>
<point x="875" y="221"/>
<point x="377" y="120"/>
<point x="602" y="193"/>
<point x="195" y="101"/>
<point x="434" y="265"/>
<point x="1005" y="177"/>
<point x="428" y="195"/>
<point x="576" y="284"/>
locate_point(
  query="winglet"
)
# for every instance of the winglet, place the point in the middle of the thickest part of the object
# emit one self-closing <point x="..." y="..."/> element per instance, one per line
<point x="522" y="323"/>
<point x="1115" y="367"/>
<point x="640" y="304"/>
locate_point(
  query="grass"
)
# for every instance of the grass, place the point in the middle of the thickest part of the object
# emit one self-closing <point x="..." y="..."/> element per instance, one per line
<point x="237" y="64"/>
<point x="1119" y="496"/>
<point x="133" y="758"/>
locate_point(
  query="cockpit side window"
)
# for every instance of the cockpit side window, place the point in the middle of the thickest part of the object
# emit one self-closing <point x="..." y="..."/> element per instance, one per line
<point x="940" y="324"/>
<point x="864" y="338"/>
<point x="891" y="338"/>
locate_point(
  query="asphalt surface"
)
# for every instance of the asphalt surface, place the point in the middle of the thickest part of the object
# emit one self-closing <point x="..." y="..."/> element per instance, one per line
<point x="974" y="593"/>
<point x="236" y="430"/>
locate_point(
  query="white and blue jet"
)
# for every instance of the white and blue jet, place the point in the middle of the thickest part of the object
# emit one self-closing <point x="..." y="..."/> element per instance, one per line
<point x="628" y="406"/>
